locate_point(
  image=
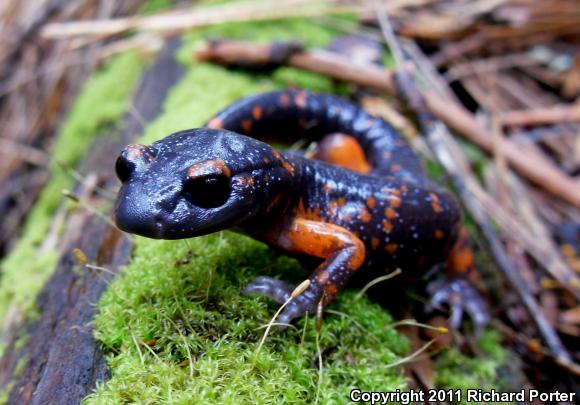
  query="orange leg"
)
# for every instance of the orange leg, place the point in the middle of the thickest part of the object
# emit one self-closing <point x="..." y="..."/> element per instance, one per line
<point x="461" y="261"/>
<point x="343" y="150"/>
<point x="343" y="254"/>
<point x="459" y="289"/>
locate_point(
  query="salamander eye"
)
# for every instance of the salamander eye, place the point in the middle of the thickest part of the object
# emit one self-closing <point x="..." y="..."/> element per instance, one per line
<point x="207" y="192"/>
<point x="124" y="168"/>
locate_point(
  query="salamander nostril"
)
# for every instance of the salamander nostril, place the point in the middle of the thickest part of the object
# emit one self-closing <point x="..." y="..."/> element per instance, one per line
<point x="133" y="157"/>
<point x="124" y="168"/>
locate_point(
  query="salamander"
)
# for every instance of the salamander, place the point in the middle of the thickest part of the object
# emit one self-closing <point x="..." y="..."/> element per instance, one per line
<point x="361" y="199"/>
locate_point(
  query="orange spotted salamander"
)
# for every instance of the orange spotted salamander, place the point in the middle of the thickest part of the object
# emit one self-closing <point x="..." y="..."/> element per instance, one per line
<point x="363" y="199"/>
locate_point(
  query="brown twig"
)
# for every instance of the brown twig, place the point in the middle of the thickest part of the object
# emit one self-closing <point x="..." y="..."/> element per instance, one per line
<point x="541" y="116"/>
<point x="489" y="65"/>
<point x="317" y="61"/>
<point x="171" y="22"/>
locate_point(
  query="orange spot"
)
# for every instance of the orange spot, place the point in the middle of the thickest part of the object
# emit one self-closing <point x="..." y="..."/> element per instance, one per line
<point x="221" y="165"/>
<point x="439" y="234"/>
<point x="371" y="202"/>
<point x="387" y="226"/>
<point x="266" y="160"/>
<point x="341" y="201"/>
<point x="365" y="216"/>
<point x="209" y="167"/>
<point x="216" y="123"/>
<point x="322" y="277"/>
<point x="287" y="166"/>
<point x="390" y="213"/>
<point x="404" y="189"/>
<point x="331" y="289"/>
<point x="247" y="125"/>
<point x="375" y="243"/>
<point x="394" y="201"/>
<point x="395" y="168"/>
<point x="134" y="151"/>
<point x="463" y="260"/>
<point x="300" y="99"/>
<point x="257" y="112"/>
<point x="435" y="204"/>
<point x="391" y="247"/>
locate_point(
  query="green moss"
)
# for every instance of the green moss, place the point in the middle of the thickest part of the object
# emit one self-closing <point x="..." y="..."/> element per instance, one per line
<point x="153" y="6"/>
<point x="457" y="371"/>
<point x="20" y="365"/>
<point x="195" y="311"/>
<point x="100" y="103"/>
<point x="5" y="394"/>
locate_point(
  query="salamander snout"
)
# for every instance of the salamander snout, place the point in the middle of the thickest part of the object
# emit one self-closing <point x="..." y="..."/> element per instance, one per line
<point x="149" y="226"/>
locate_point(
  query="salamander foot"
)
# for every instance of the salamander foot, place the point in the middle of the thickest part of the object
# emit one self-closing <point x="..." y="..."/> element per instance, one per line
<point x="280" y="291"/>
<point x="460" y="296"/>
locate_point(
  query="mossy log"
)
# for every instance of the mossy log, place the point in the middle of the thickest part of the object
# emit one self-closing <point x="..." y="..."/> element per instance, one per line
<point x="60" y="361"/>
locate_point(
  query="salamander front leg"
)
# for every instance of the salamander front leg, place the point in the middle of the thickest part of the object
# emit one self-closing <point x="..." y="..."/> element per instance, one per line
<point x="343" y="254"/>
<point x="276" y="290"/>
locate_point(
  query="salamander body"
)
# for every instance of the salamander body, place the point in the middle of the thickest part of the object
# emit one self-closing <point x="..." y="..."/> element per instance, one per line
<point x="361" y="199"/>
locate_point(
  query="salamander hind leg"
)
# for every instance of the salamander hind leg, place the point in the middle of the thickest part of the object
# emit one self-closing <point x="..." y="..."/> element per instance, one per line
<point x="345" y="151"/>
<point x="459" y="288"/>
<point x="342" y="252"/>
<point x="342" y="150"/>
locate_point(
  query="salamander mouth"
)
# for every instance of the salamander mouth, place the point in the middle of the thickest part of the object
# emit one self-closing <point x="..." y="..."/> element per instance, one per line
<point x="152" y="227"/>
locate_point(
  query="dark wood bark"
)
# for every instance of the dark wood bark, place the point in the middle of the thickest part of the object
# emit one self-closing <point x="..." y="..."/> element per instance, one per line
<point x="62" y="361"/>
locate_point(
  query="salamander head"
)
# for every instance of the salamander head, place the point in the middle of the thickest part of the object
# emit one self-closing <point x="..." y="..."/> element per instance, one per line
<point x="197" y="182"/>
